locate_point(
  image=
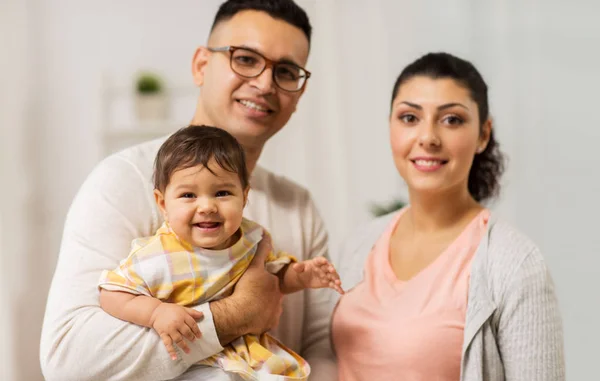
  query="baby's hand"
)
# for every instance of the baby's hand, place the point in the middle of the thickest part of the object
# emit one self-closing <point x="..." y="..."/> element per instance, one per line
<point x="173" y="323"/>
<point x="318" y="273"/>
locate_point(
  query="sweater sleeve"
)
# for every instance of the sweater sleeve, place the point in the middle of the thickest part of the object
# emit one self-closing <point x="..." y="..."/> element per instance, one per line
<point x="530" y="334"/>
<point x="316" y="341"/>
<point x="79" y="340"/>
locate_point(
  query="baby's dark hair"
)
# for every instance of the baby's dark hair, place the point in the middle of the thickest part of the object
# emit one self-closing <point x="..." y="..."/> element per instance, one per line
<point x="197" y="145"/>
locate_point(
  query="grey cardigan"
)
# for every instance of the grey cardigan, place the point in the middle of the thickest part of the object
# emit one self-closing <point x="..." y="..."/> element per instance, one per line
<point x="513" y="330"/>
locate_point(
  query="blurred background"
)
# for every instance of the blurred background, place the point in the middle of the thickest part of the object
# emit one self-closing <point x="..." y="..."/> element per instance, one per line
<point x="82" y="79"/>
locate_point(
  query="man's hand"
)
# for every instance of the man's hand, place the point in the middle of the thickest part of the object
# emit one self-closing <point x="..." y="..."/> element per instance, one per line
<point x="318" y="273"/>
<point x="173" y="323"/>
<point x="259" y="290"/>
<point x="256" y="303"/>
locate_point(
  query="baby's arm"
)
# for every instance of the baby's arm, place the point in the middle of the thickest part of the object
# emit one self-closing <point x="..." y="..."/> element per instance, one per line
<point x="295" y="276"/>
<point x="313" y="273"/>
<point x="136" y="309"/>
<point x="172" y="322"/>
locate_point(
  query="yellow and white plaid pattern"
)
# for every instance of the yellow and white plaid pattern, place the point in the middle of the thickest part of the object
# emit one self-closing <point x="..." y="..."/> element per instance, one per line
<point x="166" y="268"/>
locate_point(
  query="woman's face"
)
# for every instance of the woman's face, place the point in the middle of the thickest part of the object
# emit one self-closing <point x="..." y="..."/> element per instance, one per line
<point x="435" y="134"/>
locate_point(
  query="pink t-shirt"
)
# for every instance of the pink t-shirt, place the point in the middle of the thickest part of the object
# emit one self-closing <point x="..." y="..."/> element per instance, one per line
<point x="388" y="329"/>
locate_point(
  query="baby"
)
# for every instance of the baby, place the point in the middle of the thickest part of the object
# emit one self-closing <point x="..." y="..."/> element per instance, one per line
<point x="200" y="252"/>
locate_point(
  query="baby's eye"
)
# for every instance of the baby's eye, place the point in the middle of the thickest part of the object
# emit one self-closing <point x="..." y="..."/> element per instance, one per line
<point x="188" y="195"/>
<point x="223" y="194"/>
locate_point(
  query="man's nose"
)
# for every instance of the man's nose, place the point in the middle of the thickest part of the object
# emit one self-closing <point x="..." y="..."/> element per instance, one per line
<point x="264" y="82"/>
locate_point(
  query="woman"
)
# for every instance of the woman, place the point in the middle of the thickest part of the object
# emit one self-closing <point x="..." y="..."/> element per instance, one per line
<point x="441" y="290"/>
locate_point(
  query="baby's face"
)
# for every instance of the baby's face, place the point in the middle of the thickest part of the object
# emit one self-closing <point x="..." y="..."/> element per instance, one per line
<point x="205" y="208"/>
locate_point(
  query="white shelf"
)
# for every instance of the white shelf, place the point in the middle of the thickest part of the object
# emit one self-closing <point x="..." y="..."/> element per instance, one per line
<point x="119" y="125"/>
<point x="172" y="91"/>
<point x="145" y="129"/>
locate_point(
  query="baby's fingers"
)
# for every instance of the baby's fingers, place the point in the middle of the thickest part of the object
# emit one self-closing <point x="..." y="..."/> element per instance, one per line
<point x="320" y="261"/>
<point x="193" y="325"/>
<point x="336" y="286"/>
<point x="179" y="340"/>
<point x="186" y="332"/>
<point x="328" y="269"/>
<point x="299" y="267"/>
<point x="168" y="342"/>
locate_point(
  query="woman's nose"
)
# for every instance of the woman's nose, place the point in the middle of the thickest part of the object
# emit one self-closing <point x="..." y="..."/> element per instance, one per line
<point x="428" y="136"/>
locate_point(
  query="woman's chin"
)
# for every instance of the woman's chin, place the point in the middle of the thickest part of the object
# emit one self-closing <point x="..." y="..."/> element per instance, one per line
<point x="426" y="188"/>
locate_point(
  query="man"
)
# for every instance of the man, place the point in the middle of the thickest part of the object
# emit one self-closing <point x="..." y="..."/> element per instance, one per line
<point x="251" y="77"/>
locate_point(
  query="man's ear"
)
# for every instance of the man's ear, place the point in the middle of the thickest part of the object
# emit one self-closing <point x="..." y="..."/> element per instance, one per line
<point x="160" y="202"/>
<point x="199" y="63"/>
<point x="301" y="92"/>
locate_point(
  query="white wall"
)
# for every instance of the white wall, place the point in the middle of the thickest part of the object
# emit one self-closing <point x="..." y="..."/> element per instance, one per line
<point x="23" y="278"/>
<point x="540" y="59"/>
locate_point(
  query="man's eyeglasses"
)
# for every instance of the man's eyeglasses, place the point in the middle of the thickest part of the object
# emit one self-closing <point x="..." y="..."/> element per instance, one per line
<point x="250" y="64"/>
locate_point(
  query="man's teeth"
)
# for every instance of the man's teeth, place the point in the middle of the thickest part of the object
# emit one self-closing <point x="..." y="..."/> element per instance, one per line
<point x="428" y="163"/>
<point x="253" y="105"/>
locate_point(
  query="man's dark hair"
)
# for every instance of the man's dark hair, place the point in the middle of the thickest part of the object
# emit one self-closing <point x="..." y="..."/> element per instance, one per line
<point x="197" y="145"/>
<point x="286" y="10"/>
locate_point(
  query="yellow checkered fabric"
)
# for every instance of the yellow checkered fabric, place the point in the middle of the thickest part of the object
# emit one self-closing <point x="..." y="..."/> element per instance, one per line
<point x="166" y="268"/>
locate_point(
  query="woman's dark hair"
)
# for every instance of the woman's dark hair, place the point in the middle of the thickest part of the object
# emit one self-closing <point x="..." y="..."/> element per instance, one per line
<point x="286" y="10"/>
<point x="197" y="145"/>
<point x="488" y="166"/>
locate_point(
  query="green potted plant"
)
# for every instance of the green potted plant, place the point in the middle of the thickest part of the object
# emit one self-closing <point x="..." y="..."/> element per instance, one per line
<point x="151" y="99"/>
<point x="381" y="210"/>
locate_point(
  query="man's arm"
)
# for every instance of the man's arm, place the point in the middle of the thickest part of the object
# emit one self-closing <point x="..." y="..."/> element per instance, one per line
<point x="316" y="343"/>
<point x="256" y="303"/>
<point x="79" y="340"/>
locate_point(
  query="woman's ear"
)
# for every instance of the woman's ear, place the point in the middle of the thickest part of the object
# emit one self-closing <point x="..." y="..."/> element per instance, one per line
<point x="199" y="63"/>
<point x="160" y="202"/>
<point x="484" y="136"/>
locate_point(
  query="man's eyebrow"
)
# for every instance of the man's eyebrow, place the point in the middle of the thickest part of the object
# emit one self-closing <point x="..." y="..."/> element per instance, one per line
<point x="285" y="60"/>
